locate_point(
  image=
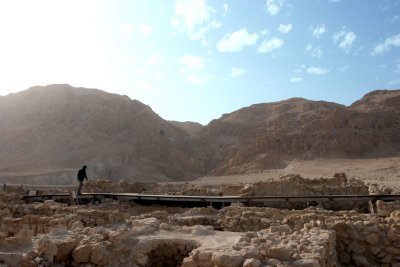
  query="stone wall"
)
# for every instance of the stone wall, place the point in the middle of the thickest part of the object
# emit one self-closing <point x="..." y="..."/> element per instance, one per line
<point x="361" y="239"/>
<point x="41" y="218"/>
<point x="273" y="247"/>
<point x="117" y="234"/>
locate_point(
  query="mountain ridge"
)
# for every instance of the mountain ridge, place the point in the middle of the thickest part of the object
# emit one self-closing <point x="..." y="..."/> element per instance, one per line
<point x="60" y="127"/>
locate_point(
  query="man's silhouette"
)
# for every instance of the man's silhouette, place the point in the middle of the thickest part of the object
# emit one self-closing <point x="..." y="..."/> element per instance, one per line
<point x="81" y="176"/>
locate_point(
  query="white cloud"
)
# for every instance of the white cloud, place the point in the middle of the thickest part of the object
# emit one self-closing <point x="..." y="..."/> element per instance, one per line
<point x="386" y="46"/>
<point x="193" y="18"/>
<point x="348" y="40"/>
<point x="234" y="42"/>
<point x="317" y="70"/>
<point x="192" y="69"/>
<point x="191" y="12"/>
<point x="334" y="1"/>
<point x="154" y="60"/>
<point x="315" y="52"/>
<point x="394" y="82"/>
<point x="318" y="31"/>
<point x="343" y="68"/>
<point x="296" y="79"/>
<point x="273" y="6"/>
<point x="285" y="28"/>
<point x="237" y="71"/>
<point x="263" y="32"/>
<point x="345" y="39"/>
<point x="398" y="67"/>
<point x="338" y="35"/>
<point x="268" y="46"/>
<point x="227" y="10"/>
<point x="192" y="63"/>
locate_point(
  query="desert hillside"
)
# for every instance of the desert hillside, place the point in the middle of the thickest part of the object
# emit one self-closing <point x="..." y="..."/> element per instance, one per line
<point x="47" y="132"/>
<point x="266" y="136"/>
<point x="58" y="128"/>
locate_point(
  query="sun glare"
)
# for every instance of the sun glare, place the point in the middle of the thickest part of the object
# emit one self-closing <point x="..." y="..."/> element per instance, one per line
<point x="45" y="42"/>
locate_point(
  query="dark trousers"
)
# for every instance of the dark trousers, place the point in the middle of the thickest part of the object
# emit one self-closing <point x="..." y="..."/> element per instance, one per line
<point x="79" y="187"/>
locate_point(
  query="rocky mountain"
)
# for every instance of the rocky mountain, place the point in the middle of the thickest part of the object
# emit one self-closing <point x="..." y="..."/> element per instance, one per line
<point x="265" y="136"/>
<point x="192" y="128"/>
<point x="48" y="132"/>
<point x="58" y="128"/>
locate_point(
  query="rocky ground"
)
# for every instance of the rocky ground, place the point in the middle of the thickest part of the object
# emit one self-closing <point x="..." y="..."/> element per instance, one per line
<point x="127" y="234"/>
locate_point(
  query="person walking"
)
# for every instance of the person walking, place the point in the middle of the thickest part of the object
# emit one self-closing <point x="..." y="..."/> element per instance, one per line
<point x="80" y="177"/>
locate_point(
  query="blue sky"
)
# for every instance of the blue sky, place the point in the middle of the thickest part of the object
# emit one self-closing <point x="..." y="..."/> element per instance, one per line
<point x="193" y="60"/>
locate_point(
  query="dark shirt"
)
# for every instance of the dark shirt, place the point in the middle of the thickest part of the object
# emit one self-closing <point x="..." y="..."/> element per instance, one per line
<point x="82" y="175"/>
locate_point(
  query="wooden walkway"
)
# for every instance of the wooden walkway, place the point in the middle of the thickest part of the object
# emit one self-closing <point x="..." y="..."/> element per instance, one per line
<point x="205" y="200"/>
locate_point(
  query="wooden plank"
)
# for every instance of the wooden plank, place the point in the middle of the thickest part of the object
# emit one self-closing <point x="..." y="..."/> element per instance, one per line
<point x="225" y="199"/>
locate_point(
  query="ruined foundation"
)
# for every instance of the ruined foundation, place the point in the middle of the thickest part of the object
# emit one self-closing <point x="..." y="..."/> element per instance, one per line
<point x="126" y="234"/>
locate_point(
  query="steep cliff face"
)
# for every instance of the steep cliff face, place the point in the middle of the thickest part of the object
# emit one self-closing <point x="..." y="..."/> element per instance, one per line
<point x="266" y="136"/>
<point x="60" y="127"/>
<point x="192" y="128"/>
<point x="378" y="101"/>
<point x="53" y="130"/>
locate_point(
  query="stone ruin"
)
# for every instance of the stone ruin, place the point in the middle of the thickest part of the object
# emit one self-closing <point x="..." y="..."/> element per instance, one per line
<point x="289" y="185"/>
<point x="126" y="234"/>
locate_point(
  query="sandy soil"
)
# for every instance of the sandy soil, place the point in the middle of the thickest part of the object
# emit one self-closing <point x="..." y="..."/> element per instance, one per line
<point x="381" y="170"/>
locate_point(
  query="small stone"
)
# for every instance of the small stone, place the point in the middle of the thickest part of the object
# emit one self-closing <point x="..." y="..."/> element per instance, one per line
<point x="374" y="249"/>
<point x="307" y="263"/>
<point x="356" y="248"/>
<point x="284" y="228"/>
<point x="360" y="260"/>
<point x="372" y="239"/>
<point x="387" y="259"/>
<point x="189" y="262"/>
<point x="344" y="257"/>
<point x="251" y="263"/>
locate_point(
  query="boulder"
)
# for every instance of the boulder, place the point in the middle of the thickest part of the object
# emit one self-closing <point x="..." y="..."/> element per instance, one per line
<point x="279" y="252"/>
<point x="82" y="253"/>
<point x="48" y="247"/>
<point x="100" y="255"/>
<point x="227" y="259"/>
<point x="65" y="248"/>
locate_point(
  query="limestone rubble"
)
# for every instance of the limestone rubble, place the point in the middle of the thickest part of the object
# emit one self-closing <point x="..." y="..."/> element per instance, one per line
<point x="126" y="234"/>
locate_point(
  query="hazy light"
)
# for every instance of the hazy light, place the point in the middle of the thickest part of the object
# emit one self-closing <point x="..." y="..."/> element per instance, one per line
<point x="45" y="42"/>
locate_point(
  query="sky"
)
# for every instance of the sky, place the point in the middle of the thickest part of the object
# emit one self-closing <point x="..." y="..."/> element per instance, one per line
<point x="194" y="60"/>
